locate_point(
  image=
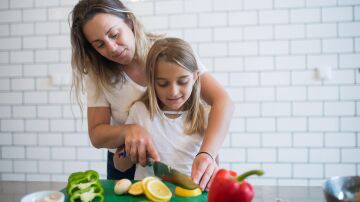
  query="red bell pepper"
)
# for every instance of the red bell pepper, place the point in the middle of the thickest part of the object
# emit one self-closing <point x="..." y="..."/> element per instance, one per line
<point x="227" y="186"/>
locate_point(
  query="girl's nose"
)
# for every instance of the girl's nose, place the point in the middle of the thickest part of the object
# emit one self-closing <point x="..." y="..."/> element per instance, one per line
<point x="173" y="90"/>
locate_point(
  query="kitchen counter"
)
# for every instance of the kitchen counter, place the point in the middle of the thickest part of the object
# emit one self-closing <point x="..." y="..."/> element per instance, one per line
<point x="11" y="191"/>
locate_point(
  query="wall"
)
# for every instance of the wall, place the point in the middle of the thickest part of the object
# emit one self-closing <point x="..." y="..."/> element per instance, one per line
<point x="299" y="128"/>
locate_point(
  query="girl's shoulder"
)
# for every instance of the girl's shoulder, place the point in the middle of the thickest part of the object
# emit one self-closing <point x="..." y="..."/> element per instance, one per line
<point x="139" y="106"/>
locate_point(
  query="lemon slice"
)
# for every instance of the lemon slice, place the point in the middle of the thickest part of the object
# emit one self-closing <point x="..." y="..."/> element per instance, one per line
<point x="136" y="189"/>
<point x="155" y="190"/>
<point x="146" y="179"/>
<point x="179" y="191"/>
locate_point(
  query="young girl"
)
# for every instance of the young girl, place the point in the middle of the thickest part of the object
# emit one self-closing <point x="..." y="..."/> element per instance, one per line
<point x="171" y="109"/>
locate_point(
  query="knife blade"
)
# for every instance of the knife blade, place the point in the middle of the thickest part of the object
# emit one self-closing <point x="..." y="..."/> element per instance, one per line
<point x="172" y="175"/>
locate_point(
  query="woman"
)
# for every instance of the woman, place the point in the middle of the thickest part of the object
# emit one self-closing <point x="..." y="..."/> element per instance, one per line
<point x="109" y="49"/>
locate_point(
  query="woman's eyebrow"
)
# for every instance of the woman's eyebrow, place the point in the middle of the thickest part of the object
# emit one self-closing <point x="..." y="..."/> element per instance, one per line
<point x="106" y="33"/>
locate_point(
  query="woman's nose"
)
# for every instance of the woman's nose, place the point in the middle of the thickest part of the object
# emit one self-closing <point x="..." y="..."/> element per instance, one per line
<point x="112" y="46"/>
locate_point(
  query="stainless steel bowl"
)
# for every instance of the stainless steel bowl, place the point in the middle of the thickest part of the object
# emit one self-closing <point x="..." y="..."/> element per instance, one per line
<point x="342" y="189"/>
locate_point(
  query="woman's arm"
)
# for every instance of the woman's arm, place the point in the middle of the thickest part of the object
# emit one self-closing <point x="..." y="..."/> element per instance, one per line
<point x="103" y="135"/>
<point x="222" y="109"/>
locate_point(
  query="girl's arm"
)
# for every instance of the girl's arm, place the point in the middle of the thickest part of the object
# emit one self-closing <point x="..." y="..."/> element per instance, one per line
<point x="222" y="109"/>
<point x="103" y="135"/>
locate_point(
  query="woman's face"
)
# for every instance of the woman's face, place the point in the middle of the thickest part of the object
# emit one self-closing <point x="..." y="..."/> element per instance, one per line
<point x="111" y="37"/>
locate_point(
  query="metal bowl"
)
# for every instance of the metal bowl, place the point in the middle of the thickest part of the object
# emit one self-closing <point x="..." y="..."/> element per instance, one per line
<point x="342" y="189"/>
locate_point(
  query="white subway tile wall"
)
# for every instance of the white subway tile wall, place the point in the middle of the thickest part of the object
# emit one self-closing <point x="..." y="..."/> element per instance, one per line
<point x="268" y="55"/>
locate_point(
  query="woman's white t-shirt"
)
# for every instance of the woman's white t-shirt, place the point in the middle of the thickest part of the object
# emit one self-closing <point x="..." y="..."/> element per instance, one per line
<point x="119" y="98"/>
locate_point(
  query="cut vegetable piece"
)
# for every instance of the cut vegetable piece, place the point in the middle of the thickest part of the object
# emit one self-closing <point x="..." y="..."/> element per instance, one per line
<point x="136" y="189"/>
<point x="122" y="186"/>
<point x="156" y="190"/>
<point x="179" y="191"/>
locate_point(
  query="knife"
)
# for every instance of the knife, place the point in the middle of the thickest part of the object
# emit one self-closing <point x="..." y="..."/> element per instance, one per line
<point x="168" y="173"/>
<point x="172" y="175"/>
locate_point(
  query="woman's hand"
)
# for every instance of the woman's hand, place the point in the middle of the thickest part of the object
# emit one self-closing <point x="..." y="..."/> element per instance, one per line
<point x="203" y="169"/>
<point x="139" y="145"/>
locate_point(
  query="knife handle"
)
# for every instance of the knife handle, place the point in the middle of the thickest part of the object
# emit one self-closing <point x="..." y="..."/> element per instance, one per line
<point x="122" y="152"/>
<point x="150" y="161"/>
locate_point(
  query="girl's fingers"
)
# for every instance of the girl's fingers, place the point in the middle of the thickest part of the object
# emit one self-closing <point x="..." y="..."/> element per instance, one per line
<point x="206" y="176"/>
<point x="211" y="178"/>
<point x="197" y="170"/>
<point x="201" y="163"/>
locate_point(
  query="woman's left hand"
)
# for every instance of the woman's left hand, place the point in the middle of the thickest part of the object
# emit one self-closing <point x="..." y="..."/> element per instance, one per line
<point x="203" y="169"/>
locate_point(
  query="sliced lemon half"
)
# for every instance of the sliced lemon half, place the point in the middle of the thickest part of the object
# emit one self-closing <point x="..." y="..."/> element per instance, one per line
<point x="136" y="189"/>
<point x="156" y="190"/>
<point x="179" y="191"/>
<point x="145" y="180"/>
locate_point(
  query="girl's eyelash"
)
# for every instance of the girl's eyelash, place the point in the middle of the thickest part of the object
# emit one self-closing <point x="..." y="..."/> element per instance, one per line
<point x="162" y="85"/>
<point x="183" y="82"/>
<point x="179" y="83"/>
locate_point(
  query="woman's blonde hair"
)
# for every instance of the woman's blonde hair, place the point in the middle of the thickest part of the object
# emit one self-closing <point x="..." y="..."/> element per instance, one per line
<point x="86" y="60"/>
<point x="177" y="51"/>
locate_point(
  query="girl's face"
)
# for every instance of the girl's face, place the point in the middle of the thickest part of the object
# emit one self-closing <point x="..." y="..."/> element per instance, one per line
<point x="173" y="85"/>
<point x="111" y="37"/>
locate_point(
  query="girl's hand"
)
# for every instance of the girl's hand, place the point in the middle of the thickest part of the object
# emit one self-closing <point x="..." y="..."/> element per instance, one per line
<point x="203" y="169"/>
<point x="139" y="146"/>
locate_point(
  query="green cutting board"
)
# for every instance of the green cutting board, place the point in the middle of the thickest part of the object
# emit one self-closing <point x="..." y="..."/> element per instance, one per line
<point x="110" y="196"/>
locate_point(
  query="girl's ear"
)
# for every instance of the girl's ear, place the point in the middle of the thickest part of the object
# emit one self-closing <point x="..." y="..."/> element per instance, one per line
<point x="197" y="75"/>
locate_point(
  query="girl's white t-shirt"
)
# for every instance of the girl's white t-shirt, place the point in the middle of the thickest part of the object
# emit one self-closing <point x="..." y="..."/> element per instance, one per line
<point x="175" y="148"/>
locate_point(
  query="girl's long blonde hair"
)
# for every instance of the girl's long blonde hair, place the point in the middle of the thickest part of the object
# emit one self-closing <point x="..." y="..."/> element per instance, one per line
<point x="86" y="60"/>
<point x="175" y="50"/>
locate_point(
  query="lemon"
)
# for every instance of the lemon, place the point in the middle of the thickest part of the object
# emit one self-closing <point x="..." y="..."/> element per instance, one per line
<point x="148" y="179"/>
<point x="155" y="190"/>
<point x="145" y="180"/>
<point x="179" y="191"/>
<point x="136" y="189"/>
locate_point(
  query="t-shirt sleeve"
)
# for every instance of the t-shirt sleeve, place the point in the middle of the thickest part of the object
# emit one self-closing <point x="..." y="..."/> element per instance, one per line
<point x="137" y="113"/>
<point x="93" y="99"/>
<point x="132" y="118"/>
